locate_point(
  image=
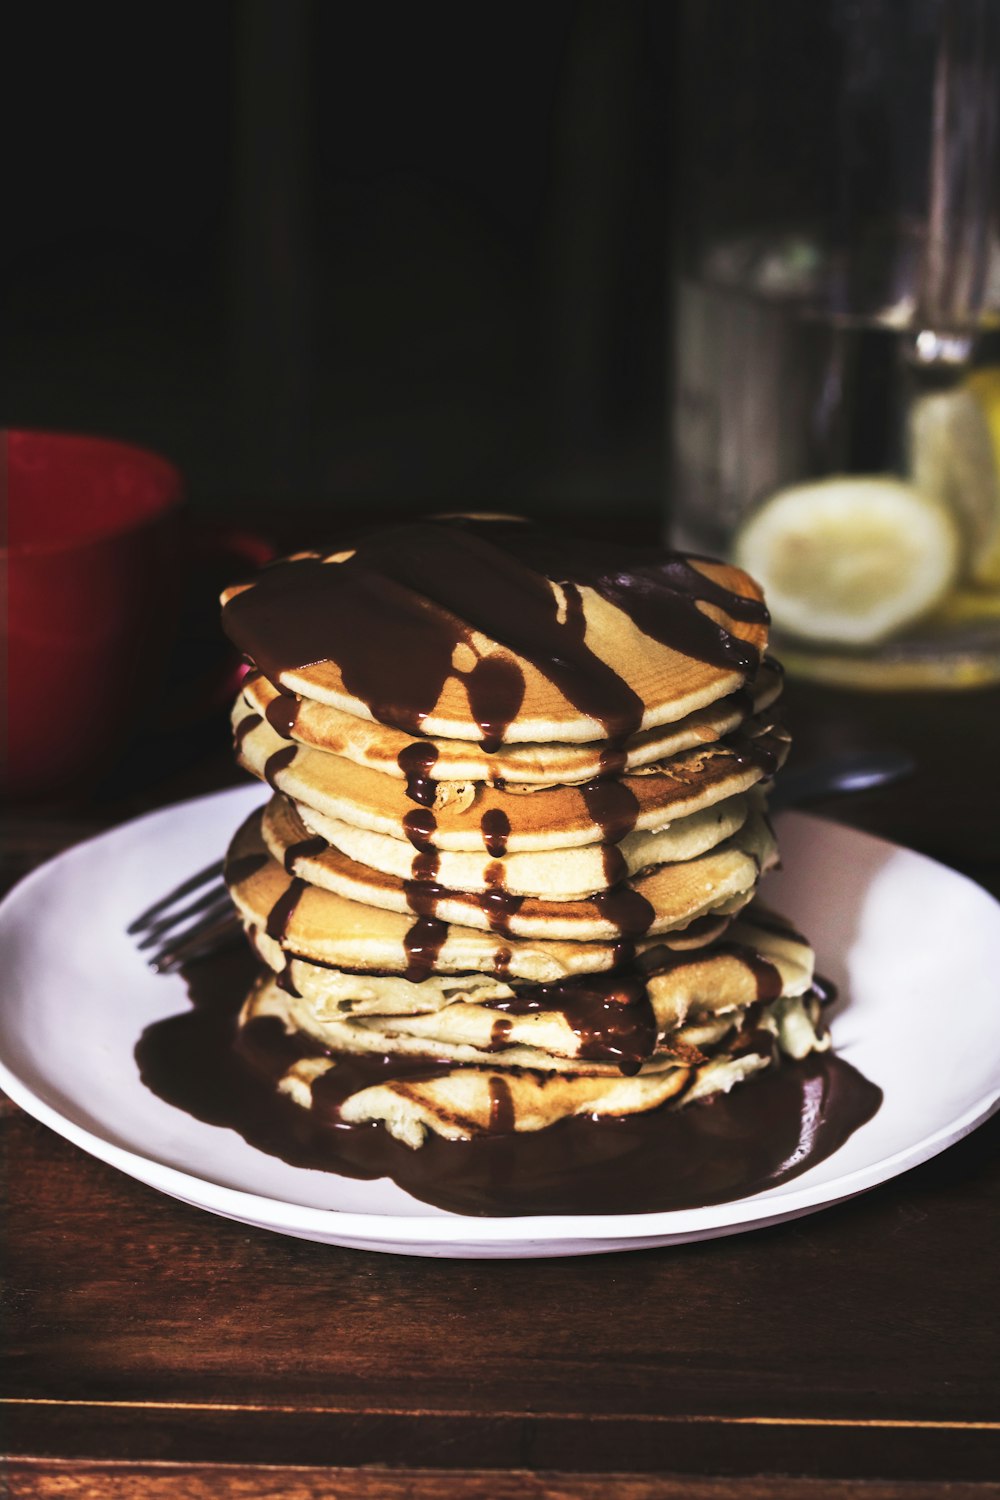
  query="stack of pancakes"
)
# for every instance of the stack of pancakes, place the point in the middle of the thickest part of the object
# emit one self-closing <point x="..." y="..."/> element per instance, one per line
<point x="507" y="873"/>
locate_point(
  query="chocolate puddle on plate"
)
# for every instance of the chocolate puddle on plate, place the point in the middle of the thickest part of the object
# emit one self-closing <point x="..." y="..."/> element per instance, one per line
<point x="769" y="1129"/>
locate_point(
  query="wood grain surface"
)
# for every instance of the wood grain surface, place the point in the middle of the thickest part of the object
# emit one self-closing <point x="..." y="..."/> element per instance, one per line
<point x="153" y="1349"/>
<point x="52" y="1481"/>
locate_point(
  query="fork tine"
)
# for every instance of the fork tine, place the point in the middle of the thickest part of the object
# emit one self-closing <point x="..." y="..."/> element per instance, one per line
<point x="204" y="937"/>
<point x="155" y="930"/>
<point x="211" y="872"/>
<point x="174" y="935"/>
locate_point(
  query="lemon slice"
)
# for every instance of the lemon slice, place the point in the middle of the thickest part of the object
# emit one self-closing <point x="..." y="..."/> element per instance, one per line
<point x="954" y="441"/>
<point x="849" y="560"/>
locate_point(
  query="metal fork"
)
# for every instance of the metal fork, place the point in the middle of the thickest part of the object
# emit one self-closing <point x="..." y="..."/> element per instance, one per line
<point x="174" y="933"/>
<point x="187" y="923"/>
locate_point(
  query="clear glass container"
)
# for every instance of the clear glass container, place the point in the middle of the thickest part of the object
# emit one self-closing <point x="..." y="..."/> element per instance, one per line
<point x="836" y="390"/>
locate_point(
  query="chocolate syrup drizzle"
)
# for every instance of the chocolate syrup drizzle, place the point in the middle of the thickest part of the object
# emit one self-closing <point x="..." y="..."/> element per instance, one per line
<point x="245" y="726"/>
<point x="393" y="614"/>
<point x="419" y="825"/>
<point x="496" y="831"/>
<point x="281" y="912"/>
<point x="415" y="761"/>
<point x="282" y="713"/>
<point x="304" y="849"/>
<point x="423" y="942"/>
<point x="762" y="752"/>
<point x="610" y="1014"/>
<point x="613" y="806"/>
<point x="497" y="902"/>
<point x="278" y="762"/>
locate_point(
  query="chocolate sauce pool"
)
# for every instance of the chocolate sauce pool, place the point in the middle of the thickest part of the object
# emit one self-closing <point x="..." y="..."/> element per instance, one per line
<point x="767" y="1130"/>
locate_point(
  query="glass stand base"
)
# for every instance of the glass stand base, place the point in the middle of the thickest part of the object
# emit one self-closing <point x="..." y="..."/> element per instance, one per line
<point x="952" y="660"/>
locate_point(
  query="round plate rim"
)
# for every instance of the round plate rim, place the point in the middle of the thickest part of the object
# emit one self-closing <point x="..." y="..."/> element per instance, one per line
<point x="450" y="1230"/>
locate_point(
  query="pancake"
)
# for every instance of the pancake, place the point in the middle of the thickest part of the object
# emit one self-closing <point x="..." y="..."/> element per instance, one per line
<point x="353" y="992"/>
<point x="380" y="1037"/>
<point x="393" y="752"/>
<point x="413" y="1093"/>
<point x="493" y="631"/>
<point x="652" y="901"/>
<point x="284" y="916"/>
<point x="564" y="1021"/>
<point x="557" y="874"/>
<point x="542" y="819"/>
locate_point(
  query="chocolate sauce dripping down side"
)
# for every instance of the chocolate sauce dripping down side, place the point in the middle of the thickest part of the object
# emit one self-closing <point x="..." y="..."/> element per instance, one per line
<point x="615" y="865"/>
<point x="304" y="849"/>
<point x="500" y="1033"/>
<point x="614" y="759"/>
<point x="497" y="902"/>
<point x="610" y="1015"/>
<point x="613" y="806"/>
<point x="415" y="762"/>
<point x="626" y="909"/>
<point x="496" y="691"/>
<point x="243" y="728"/>
<point x="278" y="762"/>
<point x="615" y="809"/>
<point x="766" y="975"/>
<point x="496" y="831"/>
<point x="764" y="1132"/>
<point x="392" y="615"/>
<point x="281" y="912"/>
<point x="423" y="942"/>
<point x="426" y="936"/>
<point x="622" y="952"/>
<point x="419" y="825"/>
<point x="282" y="713"/>
<point x="425" y="866"/>
<point x="501" y="1106"/>
<point x="763" y="752"/>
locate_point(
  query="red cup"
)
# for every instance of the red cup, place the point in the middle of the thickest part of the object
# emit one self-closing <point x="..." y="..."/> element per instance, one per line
<point x="93" y="569"/>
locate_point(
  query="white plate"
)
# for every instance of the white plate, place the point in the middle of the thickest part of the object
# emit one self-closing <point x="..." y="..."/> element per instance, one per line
<point x="914" y="947"/>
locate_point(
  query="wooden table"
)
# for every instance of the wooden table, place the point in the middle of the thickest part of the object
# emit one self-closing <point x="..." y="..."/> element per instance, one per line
<point x="154" y="1350"/>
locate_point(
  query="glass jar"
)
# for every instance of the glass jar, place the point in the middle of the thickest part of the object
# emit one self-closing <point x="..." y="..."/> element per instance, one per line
<point x="836" y="391"/>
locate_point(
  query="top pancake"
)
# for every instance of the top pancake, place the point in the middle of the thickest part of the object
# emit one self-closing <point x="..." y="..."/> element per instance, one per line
<point x="492" y="631"/>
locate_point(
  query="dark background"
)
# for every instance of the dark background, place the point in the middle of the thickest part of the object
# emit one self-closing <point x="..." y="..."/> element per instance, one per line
<point x="382" y="254"/>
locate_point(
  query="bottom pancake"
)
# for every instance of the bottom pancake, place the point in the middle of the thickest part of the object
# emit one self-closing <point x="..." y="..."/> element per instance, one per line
<point x="603" y="1050"/>
<point x="779" y="1122"/>
<point x="415" y="1096"/>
